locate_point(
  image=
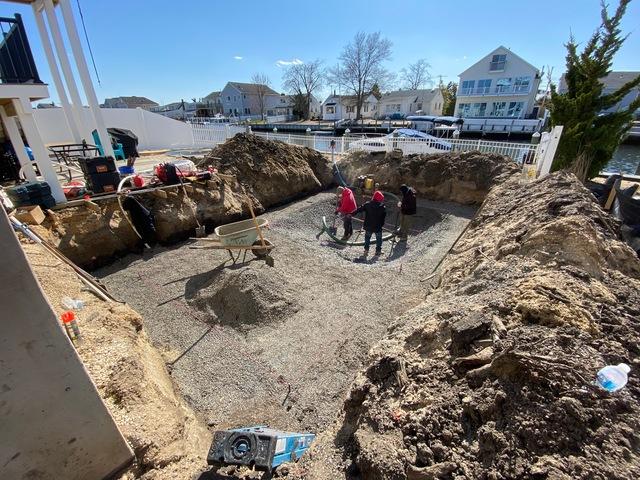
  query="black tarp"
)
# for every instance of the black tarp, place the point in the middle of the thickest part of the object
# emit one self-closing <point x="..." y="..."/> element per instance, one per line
<point x="127" y="139"/>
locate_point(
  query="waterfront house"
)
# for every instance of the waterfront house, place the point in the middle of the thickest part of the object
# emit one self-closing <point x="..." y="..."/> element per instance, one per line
<point x="243" y="99"/>
<point x="339" y="107"/>
<point x="411" y="102"/>
<point x="611" y="83"/>
<point x="129" y="102"/>
<point x="500" y="85"/>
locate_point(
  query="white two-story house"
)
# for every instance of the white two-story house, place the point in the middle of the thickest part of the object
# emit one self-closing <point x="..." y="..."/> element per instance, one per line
<point x="339" y="107"/>
<point x="500" y="85"/>
<point x="411" y="102"/>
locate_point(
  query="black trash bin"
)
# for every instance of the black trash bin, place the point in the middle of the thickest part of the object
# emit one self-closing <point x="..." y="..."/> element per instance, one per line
<point x="127" y="139"/>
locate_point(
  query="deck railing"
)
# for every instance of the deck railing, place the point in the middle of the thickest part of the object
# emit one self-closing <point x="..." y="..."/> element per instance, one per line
<point x="16" y="60"/>
<point x="497" y="90"/>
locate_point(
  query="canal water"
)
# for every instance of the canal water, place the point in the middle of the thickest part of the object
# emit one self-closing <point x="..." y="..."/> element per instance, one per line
<point x="625" y="160"/>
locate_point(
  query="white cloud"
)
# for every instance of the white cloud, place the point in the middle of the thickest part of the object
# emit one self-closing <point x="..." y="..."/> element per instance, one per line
<point x="284" y="63"/>
<point x="237" y="57"/>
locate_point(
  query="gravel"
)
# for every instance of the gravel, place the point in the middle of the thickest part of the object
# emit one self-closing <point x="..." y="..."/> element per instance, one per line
<point x="313" y="318"/>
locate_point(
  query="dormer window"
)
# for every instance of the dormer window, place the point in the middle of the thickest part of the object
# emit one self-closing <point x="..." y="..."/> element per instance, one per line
<point x="497" y="63"/>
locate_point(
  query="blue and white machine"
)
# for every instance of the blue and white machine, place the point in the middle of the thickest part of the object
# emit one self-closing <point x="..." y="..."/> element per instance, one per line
<point x="259" y="446"/>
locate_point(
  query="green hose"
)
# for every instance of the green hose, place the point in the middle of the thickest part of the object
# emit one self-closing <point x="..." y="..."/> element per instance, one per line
<point x="326" y="229"/>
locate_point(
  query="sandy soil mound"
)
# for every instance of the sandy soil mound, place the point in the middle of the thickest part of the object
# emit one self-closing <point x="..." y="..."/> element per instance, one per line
<point x="272" y="172"/>
<point x="245" y="297"/>
<point x="167" y="438"/>
<point x="455" y="177"/>
<point x="492" y="376"/>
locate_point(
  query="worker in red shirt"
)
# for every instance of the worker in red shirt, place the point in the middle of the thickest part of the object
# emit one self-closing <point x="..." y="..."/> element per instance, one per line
<point x="346" y="206"/>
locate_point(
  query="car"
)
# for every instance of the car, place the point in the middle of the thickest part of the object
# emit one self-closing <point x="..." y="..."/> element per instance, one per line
<point x="397" y="116"/>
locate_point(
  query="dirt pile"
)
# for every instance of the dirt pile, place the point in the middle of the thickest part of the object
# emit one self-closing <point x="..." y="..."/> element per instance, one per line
<point x="492" y="376"/>
<point x="245" y="298"/>
<point x="254" y="170"/>
<point x="456" y="177"/>
<point x="272" y="172"/>
<point x="168" y="440"/>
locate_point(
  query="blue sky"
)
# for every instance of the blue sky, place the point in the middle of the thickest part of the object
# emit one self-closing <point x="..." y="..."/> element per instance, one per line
<point x="168" y="50"/>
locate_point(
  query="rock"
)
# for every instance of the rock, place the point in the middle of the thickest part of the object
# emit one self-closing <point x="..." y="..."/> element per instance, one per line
<point x="466" y="330"/>
<point x="433" y="472"/>
<point x="475" y="360"/>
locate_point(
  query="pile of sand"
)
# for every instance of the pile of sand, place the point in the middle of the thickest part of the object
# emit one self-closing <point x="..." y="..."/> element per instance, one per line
<point x="272" y="172"/>
<point x="168" y="440"/>
<point x="455" y="177"/>
<point x="493" y="375"/>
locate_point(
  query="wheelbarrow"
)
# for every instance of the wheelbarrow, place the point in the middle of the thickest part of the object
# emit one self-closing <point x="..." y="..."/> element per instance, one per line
<point x="238" y="238"/>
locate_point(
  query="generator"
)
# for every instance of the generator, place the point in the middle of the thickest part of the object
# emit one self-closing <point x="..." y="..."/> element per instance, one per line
<point x="258" y="446"/>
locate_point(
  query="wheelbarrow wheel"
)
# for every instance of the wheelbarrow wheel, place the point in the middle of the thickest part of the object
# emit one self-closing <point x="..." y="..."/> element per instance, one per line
<point x="261" y="253"/>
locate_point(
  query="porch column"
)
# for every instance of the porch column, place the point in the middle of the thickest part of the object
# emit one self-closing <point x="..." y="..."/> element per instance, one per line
<point x="84" y="129"/>
<point x="25" y="114"/>
<point x="55" y="73"/>
<point x="18" y="145"/>
<point x="85" y="77"/>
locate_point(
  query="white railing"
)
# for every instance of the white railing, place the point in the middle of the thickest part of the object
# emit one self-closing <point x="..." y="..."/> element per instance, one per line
<point x="498" y="90"/>
<point x="210" y="135"/>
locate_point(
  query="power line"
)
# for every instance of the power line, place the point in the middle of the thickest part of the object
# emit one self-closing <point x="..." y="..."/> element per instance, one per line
<point x="84" y="27"/>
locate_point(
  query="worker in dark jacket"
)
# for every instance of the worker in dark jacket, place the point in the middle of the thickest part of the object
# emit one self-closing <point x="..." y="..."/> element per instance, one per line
<point x="374" y="215"/>
<point x="407" y="211"/>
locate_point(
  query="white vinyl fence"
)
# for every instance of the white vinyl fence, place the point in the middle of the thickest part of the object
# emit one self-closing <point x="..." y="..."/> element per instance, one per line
<point x="210" y="135"/>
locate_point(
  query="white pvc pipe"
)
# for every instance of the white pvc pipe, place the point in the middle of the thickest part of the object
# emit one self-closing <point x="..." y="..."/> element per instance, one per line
<point x="66" y="70"/>
<point x="55" y="74"/>
<point x="85" y="77"/>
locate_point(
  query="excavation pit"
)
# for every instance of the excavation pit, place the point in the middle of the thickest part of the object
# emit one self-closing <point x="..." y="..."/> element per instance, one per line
<point x="250" y="343"/>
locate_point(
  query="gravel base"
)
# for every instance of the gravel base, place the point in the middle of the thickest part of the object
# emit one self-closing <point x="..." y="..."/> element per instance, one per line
<point x="290" y="372"/>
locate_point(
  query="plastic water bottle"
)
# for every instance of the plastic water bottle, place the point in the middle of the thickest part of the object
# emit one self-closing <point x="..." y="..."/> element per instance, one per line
<point x="72" y="304"/>
<point x="613" y="377"/>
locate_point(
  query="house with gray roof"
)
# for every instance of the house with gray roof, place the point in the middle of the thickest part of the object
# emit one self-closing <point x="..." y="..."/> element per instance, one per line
<point x="243" y="99"/>
<point x="411" y="102"/>
<point x="129" y="102"/>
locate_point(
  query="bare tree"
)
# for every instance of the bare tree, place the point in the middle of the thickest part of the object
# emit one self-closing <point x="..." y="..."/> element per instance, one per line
<point x="416" y="75"/>
<point x="304" y="79"/>
<point x="360" y="66"/>
<point x="262" y="83"/>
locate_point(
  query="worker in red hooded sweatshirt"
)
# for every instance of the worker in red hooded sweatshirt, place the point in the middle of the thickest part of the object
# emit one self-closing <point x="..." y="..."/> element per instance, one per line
<point x="374" y="216"/>
<point x="346" y="206"/>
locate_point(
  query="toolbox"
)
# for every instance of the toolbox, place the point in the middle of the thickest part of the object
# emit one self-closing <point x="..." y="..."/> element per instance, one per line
<point x="103" y="182"/>
<point x="93" y="165"/>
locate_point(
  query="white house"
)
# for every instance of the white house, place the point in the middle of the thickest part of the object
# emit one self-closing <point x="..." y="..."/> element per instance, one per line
<point x="339" y="107"/>
<point x="409" y="102"/>
<point x="611" y="83"/>
<point x="501" y="85"/>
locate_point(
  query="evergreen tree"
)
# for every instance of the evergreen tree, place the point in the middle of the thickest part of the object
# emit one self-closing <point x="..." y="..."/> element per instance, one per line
<point x="590" y="137"/>
<point x="449" y="92"/>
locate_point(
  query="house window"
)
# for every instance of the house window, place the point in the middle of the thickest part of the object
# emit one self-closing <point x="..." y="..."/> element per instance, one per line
<point x="350" y="109"/>
<point x="330" y="110"/>
<point x="515" y="109"/>
<point x="503" y="85"/>
<point x="463" y="109"/>
<point x="419" y="106"/>
<point x="478" y="110"/>
<point x="497" y="63"/>
<point x="467" y="87"/>
<point x="521" y="84"/>
<point x="499" y="109"/>
<point x="366" y="107"/>
<point x="247" y="111"/>
<point x="244" y="96"/>
<point x="484" y="86"/>
<point x="228" y="98"/>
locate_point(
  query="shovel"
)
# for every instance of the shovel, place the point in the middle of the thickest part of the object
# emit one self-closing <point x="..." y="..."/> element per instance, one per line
<point x="268" y="258"/>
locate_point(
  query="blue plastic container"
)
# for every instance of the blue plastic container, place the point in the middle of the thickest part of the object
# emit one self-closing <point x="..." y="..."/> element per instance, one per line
<point x="125" y="170"/>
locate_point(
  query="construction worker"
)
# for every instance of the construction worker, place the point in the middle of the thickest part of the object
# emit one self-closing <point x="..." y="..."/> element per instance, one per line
<point x="374" y="216"/>
<point x="346" y="206"/>
<point x="407" y="210"/>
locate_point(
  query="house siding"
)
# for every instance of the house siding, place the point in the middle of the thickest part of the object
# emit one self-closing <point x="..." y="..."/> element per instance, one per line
<point x="471" y="96"/>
